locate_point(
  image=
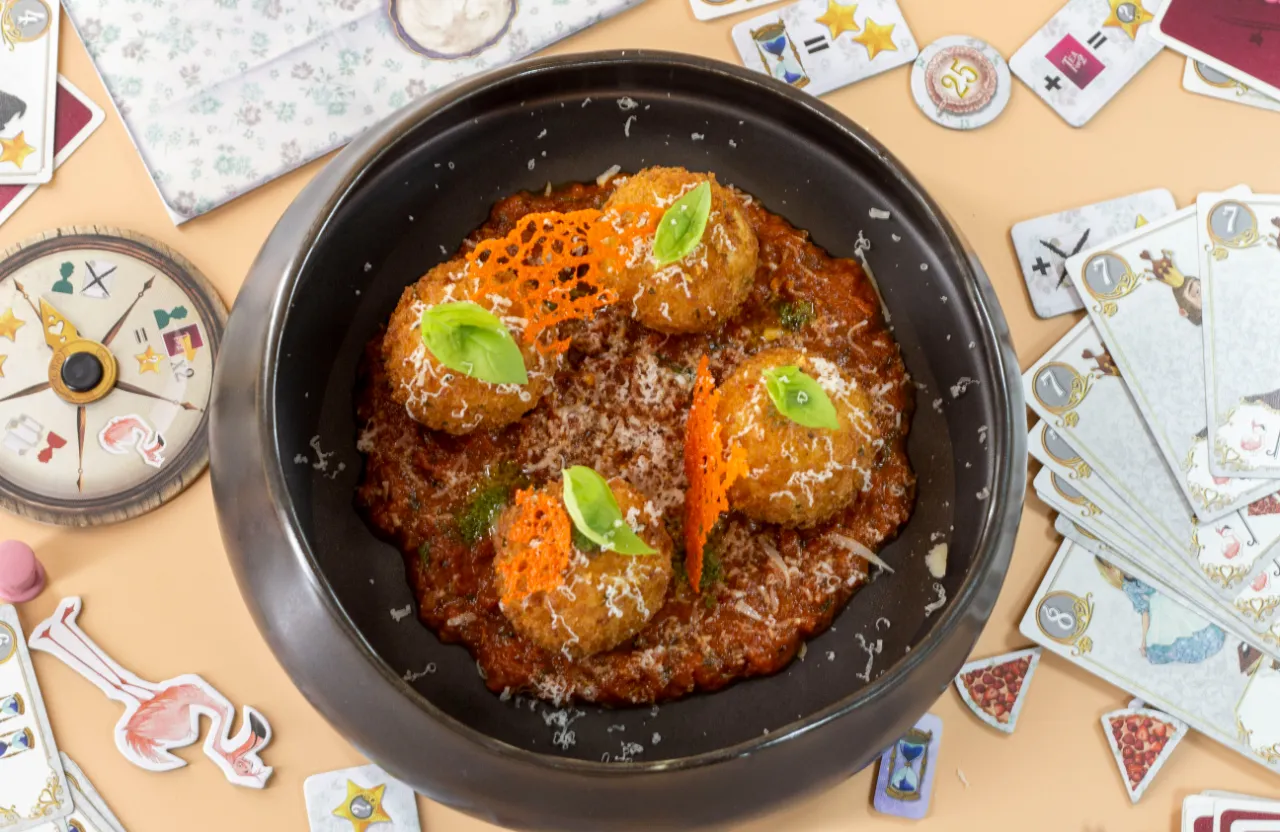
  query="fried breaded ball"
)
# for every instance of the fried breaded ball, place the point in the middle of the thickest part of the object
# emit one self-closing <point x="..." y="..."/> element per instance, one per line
<point x="606" y="597"/>
<point x="442" y="398"/>
<point x="797" y="475"/>
<point x="703" y="289"/>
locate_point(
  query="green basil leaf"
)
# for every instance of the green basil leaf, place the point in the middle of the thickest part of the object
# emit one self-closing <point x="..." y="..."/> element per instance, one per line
<point x="682" y="225"/>
<point x="464" y="336"/>
<point x="800" y="398"/>
<point x="595" y="512"/>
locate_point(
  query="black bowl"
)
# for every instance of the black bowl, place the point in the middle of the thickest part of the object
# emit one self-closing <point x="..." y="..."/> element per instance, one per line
<point x="331" y="599"/>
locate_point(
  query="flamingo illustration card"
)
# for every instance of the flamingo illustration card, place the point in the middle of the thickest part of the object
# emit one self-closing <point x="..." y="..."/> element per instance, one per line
<point x="1143" y="294"/>
<point x="33" y="786"/>
<point x="1098" y="615"/>
<point x="820" y="45"/>
<point x="1239" y="258"/>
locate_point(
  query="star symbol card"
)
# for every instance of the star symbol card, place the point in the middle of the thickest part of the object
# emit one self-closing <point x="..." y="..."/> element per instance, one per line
<point x="358" y="799"/>
<point x="822" y="45"/>
<point x="28" y="90"/>
<point x="1087" y="53"/>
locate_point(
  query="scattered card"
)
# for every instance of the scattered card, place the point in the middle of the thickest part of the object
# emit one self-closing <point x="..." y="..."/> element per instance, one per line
<point x="1086" y="54"/>
<point x="1203" y="79"/>
<point x="77" y="118"/>
<point x="1141" y="740"/>
<point x="29" y="67"/>
<point x="33" y="786"/>
<point x="995" y="688"/>
<point x="359" y="797"/>
<point x="711" y="9"/>
<point x="820" y="45"/>
<point x="1230" y="813"/>
<point x="1240" y="39"/>
<point x="1145" y="299"/>
<point x="87" y="796"/>
<point x="1043" y="244"/>
<point x="1238" y="261"/>
<point x="904" y="785"/>
<point x="1115" y="626"/>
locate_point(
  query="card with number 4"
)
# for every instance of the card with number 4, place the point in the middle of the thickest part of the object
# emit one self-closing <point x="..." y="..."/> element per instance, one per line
<point x="1086" y="54"/>
<point x="33" y="786"/>
<point x="28" y="88"/>
<point x="821" y="45"/>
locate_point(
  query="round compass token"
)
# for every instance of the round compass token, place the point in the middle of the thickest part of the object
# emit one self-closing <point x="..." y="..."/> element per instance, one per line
<point x="961" y="82"/>
<point x="107" y="346"/>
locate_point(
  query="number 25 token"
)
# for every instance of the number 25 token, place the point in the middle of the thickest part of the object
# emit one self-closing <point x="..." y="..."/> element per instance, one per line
<point x="960" y="82"/>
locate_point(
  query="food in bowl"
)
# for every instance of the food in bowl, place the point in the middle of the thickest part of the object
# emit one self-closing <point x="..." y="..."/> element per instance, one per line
<point x="579" y="501"/>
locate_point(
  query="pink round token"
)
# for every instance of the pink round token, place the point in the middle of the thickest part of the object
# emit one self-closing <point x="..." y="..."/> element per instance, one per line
<point x="21" y="574"/>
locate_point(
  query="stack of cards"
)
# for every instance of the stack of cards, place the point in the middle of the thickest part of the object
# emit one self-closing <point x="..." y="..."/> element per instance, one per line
<point x="1231" y="48"/>
<point x="1229" y="812"/>
<point x="29" y="67"/>
<point x="1160" y="443"/>
<point x="40" y="790"/>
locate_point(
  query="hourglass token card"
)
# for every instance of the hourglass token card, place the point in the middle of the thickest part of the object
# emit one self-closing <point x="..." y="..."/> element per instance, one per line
<point x="820" y="45"/>
<point x="904" y="785"/>
<point x="33" y="787"/>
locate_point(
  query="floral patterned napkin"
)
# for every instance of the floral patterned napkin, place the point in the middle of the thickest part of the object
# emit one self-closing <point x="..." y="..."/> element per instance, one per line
<point x="221" y="96"/>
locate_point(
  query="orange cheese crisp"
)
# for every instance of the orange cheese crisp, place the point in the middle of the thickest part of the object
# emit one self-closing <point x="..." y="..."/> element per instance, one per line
<point x="542" y="528"/>
<point x="709" y="472"/>
<point x="556" y="262"/>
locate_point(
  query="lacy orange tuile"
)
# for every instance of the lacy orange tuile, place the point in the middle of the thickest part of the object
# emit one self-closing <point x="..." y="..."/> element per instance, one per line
<point x="556" y="261"/>
<point x="542" y="529"/>
<point x="709" y="472"/>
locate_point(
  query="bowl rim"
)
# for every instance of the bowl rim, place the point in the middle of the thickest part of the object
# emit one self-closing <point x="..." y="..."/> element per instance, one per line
<point x="1002" y="511"/>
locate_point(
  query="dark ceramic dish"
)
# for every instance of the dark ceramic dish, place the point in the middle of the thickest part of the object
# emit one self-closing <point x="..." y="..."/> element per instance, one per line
<point x="331" y="599"/>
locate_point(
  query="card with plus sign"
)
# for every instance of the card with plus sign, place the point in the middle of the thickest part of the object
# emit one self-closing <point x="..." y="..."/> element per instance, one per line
<point x="1043" y="244"/>
<point x="1086" y="54"/>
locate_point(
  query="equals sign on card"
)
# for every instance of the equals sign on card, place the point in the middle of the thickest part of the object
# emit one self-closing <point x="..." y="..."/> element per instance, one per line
<point x="816" y="44"/>
<point x="1097" y="40"/>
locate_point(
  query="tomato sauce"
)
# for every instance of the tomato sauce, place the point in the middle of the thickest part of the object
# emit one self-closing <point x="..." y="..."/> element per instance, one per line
<point x="619" y="404"/>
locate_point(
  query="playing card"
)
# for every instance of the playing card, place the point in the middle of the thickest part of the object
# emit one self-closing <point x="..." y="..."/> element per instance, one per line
<point x="1087" y="53"/>
<point x="29" y="69"/>
<point x="87" y="797"/>
<point x="77" y="117"/>
<point x="819" y="45"/>
<point x="1143" y="296"/>
<point x="1043" y="244"/>
<point x="904" y="784"/>
<point x="1107" y="537"/>
<point x="1076" y="388"/>
<point x="1240" y="39"/>
<point x="1197" y="813"/>
<point x="33" y="787"/>
<point x="337" y="800"/>
<point x="711" y="9"/>
<point x="1238" y="261"/>
<point x="1256" y="825"/>
<point x="1230" y="813"/>
<point x="1119" y="628"/>
<point x="1201" y="78"/>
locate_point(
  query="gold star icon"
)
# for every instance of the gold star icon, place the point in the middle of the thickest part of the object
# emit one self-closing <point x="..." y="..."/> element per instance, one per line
<point x="363" y="807"/>
<point x="838" y="18"/>
<point x="1141" y="221"/>
<point x="1128" y="15"/>
<point x="9" y="324"/>
<point x="149" y="361"/>
<point x="15" y="150"/>
<point x="876" y="38"/>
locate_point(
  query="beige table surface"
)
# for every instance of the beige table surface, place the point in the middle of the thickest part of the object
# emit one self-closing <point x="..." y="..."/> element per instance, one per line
<point x="160" y="596"/>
